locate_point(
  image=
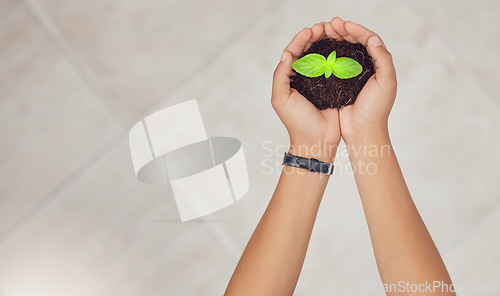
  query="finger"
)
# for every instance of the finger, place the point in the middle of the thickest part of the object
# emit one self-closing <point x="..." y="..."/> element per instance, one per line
<point x="382" y="59"/>
<point x="318" y="33"/>
<point x="299" y="42"/>
<point x="281" y="79"/>
<point x="331" y="33"/>
<point x="339" y="26"/>
<point x="360" y="33"/>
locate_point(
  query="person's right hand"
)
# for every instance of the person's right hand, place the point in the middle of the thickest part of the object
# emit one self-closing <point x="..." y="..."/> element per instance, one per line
<point x="369" y="114"/>
<point x="313" y="132"/>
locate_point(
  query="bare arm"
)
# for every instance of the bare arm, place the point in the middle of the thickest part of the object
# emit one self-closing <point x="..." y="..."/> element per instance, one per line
<point x="403" y="248"/>
<point x="273" y="258"/>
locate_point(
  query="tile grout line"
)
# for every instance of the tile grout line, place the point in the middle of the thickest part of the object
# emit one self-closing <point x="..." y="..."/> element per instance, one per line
<point x="41" y="203"/>
<point x="92" y="84"/>
<point x="55" y="192"/>
<point x="217" y="53"/>
<point x="227" y="244"/>
<point x="447" y="44"/>
<point x="71" y="58"/>
<point x="221" y="236"/>
<point x="469" y="228"/>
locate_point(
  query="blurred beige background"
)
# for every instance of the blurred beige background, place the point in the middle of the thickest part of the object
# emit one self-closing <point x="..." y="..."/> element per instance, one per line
<point x="76" y="75"/>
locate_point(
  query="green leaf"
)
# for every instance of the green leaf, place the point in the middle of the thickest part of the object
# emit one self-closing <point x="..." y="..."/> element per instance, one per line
<point x="328" y="71"/>
<point x="329" y="64"/>
<point x="331" y="58"/>
<point x="345" y="68"/>
<point x="311" y="65"/>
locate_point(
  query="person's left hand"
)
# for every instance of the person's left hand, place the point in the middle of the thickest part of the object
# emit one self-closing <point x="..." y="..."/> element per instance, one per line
<point x="313" y="132"/>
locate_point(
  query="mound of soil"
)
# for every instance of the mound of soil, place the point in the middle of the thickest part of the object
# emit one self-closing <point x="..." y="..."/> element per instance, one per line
<point x="334" y="92"/>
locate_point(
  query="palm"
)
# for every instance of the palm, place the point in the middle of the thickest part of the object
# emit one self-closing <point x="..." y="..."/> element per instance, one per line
<point x="302" y="119"/>
<point x="374" y="102"/>
<point x="362" y="110"/>
<point x="310" y="123"/>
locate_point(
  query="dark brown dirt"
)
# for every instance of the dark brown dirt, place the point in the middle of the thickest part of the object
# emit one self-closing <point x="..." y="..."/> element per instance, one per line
<point x="334" y="92"/>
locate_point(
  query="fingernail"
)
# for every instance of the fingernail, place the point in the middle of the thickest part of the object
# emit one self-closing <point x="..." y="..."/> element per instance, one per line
<point x="376" y="41"/>
<point x="283" y="57"/>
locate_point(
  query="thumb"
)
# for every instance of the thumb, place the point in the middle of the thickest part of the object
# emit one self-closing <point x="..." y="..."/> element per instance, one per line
<point x="382" y="60"/>
<point x="281" y="79"/>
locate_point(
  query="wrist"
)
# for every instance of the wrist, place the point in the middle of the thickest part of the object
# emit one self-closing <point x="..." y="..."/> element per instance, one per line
<point x="372" y="135"/>
<point x="372" y="144"/>
<point x="321" y="150"/>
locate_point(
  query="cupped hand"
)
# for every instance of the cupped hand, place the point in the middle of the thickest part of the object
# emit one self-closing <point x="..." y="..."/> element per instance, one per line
<point x="369" y="114"/>
<point x="313" y="132"/>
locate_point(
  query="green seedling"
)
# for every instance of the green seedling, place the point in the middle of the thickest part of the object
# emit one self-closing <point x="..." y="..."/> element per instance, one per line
<point x="314" y="65"/>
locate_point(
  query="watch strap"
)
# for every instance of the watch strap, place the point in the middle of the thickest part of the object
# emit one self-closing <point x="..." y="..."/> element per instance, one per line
<point x="310" y="164"/>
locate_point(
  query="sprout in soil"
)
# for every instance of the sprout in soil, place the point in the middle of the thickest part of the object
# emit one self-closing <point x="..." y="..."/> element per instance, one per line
<point x="314" y="65"/>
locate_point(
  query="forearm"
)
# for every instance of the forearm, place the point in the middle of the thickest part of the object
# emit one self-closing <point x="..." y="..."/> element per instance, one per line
<point x="273" y="258"/>
<point x="403" y="247"/>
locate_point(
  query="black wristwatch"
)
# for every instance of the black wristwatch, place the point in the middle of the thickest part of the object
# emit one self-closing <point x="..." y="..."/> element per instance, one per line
<point x="310" y="164"/>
